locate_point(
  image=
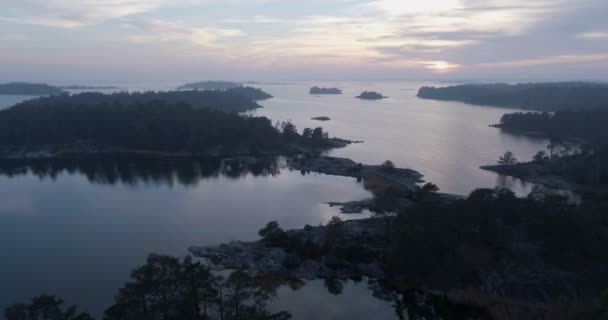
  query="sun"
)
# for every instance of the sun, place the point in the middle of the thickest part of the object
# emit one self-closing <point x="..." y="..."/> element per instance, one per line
<point x="440" y="66"/>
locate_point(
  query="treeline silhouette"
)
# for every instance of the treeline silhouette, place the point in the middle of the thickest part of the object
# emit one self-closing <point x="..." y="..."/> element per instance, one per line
<point x="529" y="96"/>
<point x="588" y="124"/>
<point x="147" y="125"/>
<point x="169" y="289"/>
<point x="135" y="170"/>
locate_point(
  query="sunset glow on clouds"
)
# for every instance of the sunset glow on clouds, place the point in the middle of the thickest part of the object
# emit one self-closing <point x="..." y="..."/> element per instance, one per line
<point x="272" y="38"/>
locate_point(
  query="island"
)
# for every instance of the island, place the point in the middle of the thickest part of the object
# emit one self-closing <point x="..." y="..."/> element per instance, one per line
<point x="317" y="90"/>
<point x="209" y="85"/>
<point x="29" y="89"/>
<point x="161" y="124"/>
<point x="370" y="95"/>
<point x="528" y="96"/>
<point x="321" y="118"/>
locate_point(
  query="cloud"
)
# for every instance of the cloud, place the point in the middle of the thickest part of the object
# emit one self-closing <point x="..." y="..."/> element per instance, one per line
<point x="72" y="14"/>
<point x="13" y="37"/>
<point x="158" y="31"/>
<point x="547" y="60"/>
<point x="382" y="35"/>
<point x="594" y="35"/>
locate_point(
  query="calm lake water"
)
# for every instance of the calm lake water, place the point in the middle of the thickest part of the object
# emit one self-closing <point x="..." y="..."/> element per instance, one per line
<point x="77" y="229"/>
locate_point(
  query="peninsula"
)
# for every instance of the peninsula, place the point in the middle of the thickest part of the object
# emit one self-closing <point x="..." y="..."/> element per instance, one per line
<point x="527" y="96"/>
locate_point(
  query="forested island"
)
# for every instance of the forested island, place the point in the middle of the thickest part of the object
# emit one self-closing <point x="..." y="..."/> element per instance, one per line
<point x="370" y="95"/>
<point x="209" y="85"/>
<point x="527" y="96"/>
<point x="29" y="89"/>
<point x="317" y="90"/>
<point x="156" y="123"/>
<point x="233" y="100"/>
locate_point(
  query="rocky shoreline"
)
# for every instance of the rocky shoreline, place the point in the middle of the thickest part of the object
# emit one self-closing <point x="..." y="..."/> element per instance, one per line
<point x="534" y="172"/>
<point x="84" y="149"/>
<point x="259" y="258"/>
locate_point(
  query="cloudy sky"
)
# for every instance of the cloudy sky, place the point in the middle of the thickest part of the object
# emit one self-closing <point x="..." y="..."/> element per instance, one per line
<point x="138" y="40"/>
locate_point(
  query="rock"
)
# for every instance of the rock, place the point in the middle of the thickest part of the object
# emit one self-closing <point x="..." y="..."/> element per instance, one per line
<point x="352" y="206"/>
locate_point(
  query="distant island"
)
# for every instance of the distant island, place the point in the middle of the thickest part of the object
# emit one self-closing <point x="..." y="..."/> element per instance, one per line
<point x="79" y="87"/>
<point x="528" y="96"/>
<point x="370" y="95"/>
<point x="29" y="89"/>
<point x="317" y="90"/>
<point x="321" y="118"/>
<point x="209" y="85"/>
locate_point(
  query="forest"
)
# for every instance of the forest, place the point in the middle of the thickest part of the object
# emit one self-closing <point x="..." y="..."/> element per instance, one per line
<point x="234" y="100"/>
<point x="528" y="96"/>
<point x="139" y="122"/>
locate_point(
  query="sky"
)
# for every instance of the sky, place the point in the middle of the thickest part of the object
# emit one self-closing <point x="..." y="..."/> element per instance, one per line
<point x="105" y="41"/>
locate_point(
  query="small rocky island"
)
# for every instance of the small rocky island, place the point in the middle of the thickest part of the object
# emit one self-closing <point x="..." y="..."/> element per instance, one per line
<point x="370" y="95"/>
<point x="29" y="89"/>
<point x="318" y="90"/>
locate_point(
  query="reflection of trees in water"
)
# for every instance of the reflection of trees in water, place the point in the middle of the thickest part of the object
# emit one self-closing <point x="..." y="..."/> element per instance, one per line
<point x="141" y="170"/>
<point x="412" y="304"/>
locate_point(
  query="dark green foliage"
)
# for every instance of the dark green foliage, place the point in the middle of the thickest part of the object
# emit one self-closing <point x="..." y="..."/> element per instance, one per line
<point x="272" y="233"/>
<point x="165" y="288"/>
<point x="530" y="96"/>
<point x="26" y="89"/>
<point x="507" y="158"/>
<point x="124" y="121"/>
<point x="588" y="124"/>
<point x="44" y="307"/>
<point x="450" y="244"/>
<point x="154" y="126"/>
<point x="291" y="261"/>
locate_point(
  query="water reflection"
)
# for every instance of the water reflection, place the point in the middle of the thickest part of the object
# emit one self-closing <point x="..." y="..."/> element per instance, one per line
<point x="385" y="302"/>
<point x="133" y="171"/>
